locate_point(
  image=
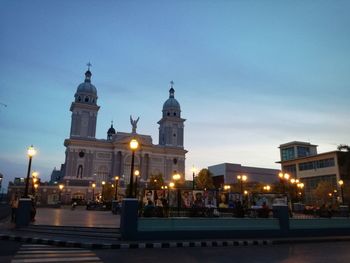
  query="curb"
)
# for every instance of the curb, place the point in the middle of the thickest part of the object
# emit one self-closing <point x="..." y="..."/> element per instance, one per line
<point x="138" y="245"/>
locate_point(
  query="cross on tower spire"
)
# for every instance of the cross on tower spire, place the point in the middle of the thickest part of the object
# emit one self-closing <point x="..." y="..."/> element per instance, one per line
<point x="89" y="65"/>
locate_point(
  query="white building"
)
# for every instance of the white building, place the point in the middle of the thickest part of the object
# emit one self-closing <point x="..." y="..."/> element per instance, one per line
<point x="91" y="160"/>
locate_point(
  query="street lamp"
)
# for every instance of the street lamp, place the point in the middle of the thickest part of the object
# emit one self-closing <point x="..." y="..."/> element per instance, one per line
<point x="103" y="186"/>
<point x="267" y="188"/>
<point x="227" y="187"/>
<point x="341" y="182"/>
<point x="93" y="185"/>
<point x="35" y="175"/>
<point x="136" y="173"/>
<point x="134" y="144"/>
<point x="176" y="178"/>
<point x="61" y="186"/>
<point x="194" y="169"/>
<point x="300" y="186"/>
<point x="31" y="152"/>
<point x="242" y="178"/>
<point x="116" y="178"/>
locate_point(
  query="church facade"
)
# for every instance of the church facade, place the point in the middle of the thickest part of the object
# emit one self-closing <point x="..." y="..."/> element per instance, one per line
<point x="91" y="160"/>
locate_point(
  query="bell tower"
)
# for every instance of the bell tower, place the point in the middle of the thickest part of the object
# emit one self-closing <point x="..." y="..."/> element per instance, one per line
<point x="171" y="126"/>
<point x="84" y="109"/>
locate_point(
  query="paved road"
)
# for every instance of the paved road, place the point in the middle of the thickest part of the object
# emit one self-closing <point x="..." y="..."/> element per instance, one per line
<point x="78" y="217"/>
<point x="15" y="252"/>
<point x="301" y="253"/>
<point x="335" y="252"/>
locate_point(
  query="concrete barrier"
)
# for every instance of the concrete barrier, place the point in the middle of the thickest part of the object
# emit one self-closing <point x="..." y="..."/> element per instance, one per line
<point x="134" y="228"/>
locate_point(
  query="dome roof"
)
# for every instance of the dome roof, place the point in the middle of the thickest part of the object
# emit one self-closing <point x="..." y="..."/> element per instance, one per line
<point x="171" y="103"/>
<point x="86" y="87"/>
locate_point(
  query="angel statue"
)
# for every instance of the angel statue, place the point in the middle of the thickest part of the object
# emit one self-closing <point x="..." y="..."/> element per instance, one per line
<point x="134" y="124"/>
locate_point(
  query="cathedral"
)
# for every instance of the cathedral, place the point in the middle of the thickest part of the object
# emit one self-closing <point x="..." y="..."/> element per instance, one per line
<point x="90" y="160"/>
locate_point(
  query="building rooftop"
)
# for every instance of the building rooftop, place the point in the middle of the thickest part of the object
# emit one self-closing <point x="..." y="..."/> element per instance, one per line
<point x="296" y="143"/>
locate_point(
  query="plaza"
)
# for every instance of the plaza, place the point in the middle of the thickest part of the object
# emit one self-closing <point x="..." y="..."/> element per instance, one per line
<point x="79" y="217"/>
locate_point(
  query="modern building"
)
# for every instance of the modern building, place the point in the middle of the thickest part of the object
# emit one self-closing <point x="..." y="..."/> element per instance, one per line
<point x="226" y="173"/>
<point x="92" y="160"/>
<point x="301" y="161"/>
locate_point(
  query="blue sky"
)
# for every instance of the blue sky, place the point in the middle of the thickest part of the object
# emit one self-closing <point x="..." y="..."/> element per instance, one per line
<point x="249" y="75"/>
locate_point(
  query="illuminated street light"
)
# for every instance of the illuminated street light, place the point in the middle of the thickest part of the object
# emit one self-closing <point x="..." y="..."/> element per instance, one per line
<point x="242" y="178"/>
<point x="267" y="188"/>
<point x="35" y="176"/>
<point x="227" y="187"/>
<point x="61" y="186"/>
<point x="116" y="181"/>
<point x="134" y="144"/>
<point x="93" y="185"/>
<point x="137" y="174"/>
<point x="103" y="186"/>
<point x="341" y="183"/>
<point x="176" y="177"/>
<point x="30" y="152"/>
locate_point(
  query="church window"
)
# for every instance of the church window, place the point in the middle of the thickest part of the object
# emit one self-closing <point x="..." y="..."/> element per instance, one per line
<point x="79" y="98"/>
<point x="168" y="114"/>
<point x="174" y="134"/>
<point x="93" y="100"/>
<point x="81" y="154"/>
<point x="175" y="161"/>
<point x="86" y="99"/>
<point x="174" y="113"/>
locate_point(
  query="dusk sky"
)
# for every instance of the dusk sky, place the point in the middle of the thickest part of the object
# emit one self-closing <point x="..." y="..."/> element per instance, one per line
<point x="249" y="75"/>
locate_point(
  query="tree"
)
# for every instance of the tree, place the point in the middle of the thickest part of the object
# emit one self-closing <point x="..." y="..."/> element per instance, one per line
<point x="343" y="147"/>
<point x="204" y="179"/>
<point x="323" y="192"/>
<point x="108" y="192"/>
<point x="156" y="181"/>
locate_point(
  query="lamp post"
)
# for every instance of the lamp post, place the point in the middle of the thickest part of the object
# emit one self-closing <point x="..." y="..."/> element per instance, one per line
<point x="35" y="175"/>
<point x="176" y="178"/>
<point x="93" y="185"/>
<point x="300" y="186"/>
<point x="61" y="186"/>
<point x="267" y="188"/>
<point x="103" y="186"/>
<point x="36" y="186"/>
<point x="242" y="178"/>
<point x="341" y="182"/>
<point x="194" y="169"/>
<point x="136" y="173"/>
<point x="283" y="177"/>
<point x="134" y="144"/>
<point x="116" y="178"/>
<point x="31" y="152"/>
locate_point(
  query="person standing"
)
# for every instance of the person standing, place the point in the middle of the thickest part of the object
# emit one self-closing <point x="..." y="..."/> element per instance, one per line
<point x="14" y="206"/>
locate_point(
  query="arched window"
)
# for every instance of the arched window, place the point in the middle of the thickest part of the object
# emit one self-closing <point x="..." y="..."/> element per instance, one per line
<point x="79" y="98"/>
<point x="86" y="99"/>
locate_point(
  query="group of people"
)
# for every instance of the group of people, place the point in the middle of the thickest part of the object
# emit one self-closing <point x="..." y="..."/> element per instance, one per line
<point x="160" y="208"/>
<point x="198" y="203"/>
